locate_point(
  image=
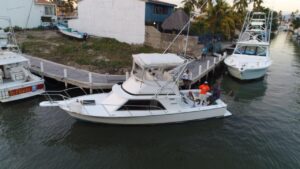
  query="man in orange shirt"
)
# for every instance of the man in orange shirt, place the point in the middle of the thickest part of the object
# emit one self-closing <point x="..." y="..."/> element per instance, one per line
<point x="203" y="89"/>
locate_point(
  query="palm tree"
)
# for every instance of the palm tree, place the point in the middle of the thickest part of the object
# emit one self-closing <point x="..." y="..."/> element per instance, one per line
<point x="221" y="19"/>
<point x="193" y="5"/>
<point x="257" y="5"/>
<point x="240" y="5"/>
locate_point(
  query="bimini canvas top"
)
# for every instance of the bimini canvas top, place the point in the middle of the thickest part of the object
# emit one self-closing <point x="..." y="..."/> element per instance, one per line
<point x="157" y="60"/>
<point x="7" y="58"/>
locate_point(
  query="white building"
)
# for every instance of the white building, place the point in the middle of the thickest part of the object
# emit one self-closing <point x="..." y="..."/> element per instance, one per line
<point x="123" y="20"/>
<point x="28" y="13"/>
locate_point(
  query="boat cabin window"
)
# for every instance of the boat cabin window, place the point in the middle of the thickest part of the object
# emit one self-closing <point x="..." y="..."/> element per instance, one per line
<point x="251" y="50"/>
<point x="135" y="105"/>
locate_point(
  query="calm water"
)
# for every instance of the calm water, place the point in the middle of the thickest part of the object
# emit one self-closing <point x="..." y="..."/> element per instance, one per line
<point x="264" y="131"/>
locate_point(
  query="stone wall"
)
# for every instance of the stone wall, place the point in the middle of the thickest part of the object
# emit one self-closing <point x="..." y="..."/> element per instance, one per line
<point x="160" y="40"/>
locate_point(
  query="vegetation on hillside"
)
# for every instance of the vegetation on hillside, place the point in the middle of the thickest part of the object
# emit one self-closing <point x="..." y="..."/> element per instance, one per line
<point x="223" y="18"/>
<point x="295" y="20"/>
<point x="102" y="55"/>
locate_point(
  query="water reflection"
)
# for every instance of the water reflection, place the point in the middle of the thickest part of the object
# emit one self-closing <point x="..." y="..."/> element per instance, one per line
<point x="244" y="90"/>
<point x="87" y="135"/>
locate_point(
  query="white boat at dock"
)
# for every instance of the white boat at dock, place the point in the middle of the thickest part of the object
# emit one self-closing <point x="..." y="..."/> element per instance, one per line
<point x="16" y="81"/>
<point x="251" y="57"/>
<point x="149" y="96"/>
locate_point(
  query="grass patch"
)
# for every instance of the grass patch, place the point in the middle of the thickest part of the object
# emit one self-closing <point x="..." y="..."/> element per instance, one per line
<point x="99" y="54"/>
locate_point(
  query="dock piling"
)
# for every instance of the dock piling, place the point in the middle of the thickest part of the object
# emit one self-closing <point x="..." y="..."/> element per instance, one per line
<point x="200" y="69"/>
<point x="127" y="75"/>
<point x="91" y="82"/>
<point x="215" y="64"/>
<point x="208" y="63"/>
<point x="42" y="69"/>
<point x="65" y="78"/>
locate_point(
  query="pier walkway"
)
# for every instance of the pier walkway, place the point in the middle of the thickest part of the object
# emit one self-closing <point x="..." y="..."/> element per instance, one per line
<point x="201" y="68"/>
<point x="73" y="76"/>
<point x="90" y="80"/>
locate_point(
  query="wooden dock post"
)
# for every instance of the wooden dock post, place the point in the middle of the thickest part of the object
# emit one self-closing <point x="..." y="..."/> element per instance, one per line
<point x="65" y="78"/>
<point x="42" y="69"/>
<point x="91" y="82"/>
<point x="208" y="63"/>
<point x="214" y="66"/>
<point x="207" y="69"/>
<point x="127" y="75"/>
<point x="200" y="70"/>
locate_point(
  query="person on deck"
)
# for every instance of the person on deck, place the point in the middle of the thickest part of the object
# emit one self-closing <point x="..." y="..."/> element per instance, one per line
<point x="203" y="89"/>
<point x="216" y="92"/>
<point x="187" y="79"/>
<point x="184" y="78"/>
<point x="204" y="52"/>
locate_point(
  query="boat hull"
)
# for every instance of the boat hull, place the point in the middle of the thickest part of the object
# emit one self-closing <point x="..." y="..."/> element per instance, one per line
<point x="155" y="119"/>
<point x="249" y="74"/>
<point x="22" y="96"/>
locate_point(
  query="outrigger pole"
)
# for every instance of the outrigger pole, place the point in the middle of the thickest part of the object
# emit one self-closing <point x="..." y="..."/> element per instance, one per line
<point x="187" y="25"/>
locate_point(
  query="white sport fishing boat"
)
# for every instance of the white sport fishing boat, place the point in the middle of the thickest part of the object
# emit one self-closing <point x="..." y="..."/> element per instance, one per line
<point x="150" y="96"/>
<point x="251" y="57"/>
<point x="16" y="81"/>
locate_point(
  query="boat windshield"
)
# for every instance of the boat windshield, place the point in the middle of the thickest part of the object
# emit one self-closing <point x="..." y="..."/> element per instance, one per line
<point x="152" y="73"/>
<point x="251" y="50"/>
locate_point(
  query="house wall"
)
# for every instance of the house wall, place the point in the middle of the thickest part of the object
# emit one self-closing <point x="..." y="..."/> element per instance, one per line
<point x="119" y="19"/>
<point x="18" y="11"/>
<point x="152" y="17"/>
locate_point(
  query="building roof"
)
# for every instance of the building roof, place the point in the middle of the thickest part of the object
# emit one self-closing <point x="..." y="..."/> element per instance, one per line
<point x="44" y="2"/>
<point x="160" y="3"/>
<point x="176" y="21"/>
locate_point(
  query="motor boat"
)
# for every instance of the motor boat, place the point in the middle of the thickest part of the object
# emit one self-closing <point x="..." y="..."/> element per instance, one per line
<point x="251" y="56"/>
<point x="249" y="61"/>
<point x="149" y="96"/>
<point x="71" y="32"/>
<point x="16" y="80"/>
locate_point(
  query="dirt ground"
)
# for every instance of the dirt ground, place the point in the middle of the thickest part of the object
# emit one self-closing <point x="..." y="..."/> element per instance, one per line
<point x="102" y="55"/>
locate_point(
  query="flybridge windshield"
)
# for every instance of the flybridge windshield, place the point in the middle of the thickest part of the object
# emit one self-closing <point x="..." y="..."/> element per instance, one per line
<point x="259" y="16"/>
<point x="251" y="50"/>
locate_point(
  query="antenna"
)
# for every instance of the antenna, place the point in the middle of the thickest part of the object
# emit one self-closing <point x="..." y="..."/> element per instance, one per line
<point x="187" y="25"/>
<point x="27" y="21"/>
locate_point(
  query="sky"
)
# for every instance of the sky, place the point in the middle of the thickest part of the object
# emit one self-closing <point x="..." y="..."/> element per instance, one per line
<point x="284" y="5"/>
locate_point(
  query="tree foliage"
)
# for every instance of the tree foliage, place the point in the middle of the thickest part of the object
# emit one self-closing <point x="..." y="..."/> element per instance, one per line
<point x="66" y="6"/>
<point x="223" y="18"/>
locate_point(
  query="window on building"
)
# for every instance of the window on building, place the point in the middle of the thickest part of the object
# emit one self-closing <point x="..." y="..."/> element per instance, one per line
<point x="134" y="105"/>
<point x="162" y="10"/>
<point x="49" y="10"/>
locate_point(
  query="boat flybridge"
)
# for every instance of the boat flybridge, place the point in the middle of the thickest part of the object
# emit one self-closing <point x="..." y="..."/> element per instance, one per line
<point x="16" y="81"/>
<point x="251" y="57"/>
<point x="149" y="96"/>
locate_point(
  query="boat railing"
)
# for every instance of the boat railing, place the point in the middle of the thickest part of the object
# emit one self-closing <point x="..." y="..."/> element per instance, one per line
<point x="12" y="42"/>
<point x="64" y="94"/>
<point x="264" y="28"/>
